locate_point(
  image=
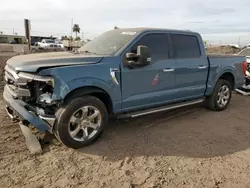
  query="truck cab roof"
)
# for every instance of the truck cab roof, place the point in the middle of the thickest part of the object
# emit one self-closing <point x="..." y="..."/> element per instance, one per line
<point x="148" y="29"/>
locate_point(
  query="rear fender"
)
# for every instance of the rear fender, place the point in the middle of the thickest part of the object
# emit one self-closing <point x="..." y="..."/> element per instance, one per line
<point x="212" y="80"/>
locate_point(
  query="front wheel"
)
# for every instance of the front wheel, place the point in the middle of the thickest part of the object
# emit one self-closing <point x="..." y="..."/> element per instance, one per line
<point x="221" y="96"/>
<point x="81" y="121"/>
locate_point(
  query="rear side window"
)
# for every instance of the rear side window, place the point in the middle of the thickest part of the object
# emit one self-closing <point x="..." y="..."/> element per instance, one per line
<point x="158" y="45"/>
<point x="185" y="46"/>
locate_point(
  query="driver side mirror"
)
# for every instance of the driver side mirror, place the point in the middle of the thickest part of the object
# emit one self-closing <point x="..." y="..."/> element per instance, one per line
<point x="142" y="58"/>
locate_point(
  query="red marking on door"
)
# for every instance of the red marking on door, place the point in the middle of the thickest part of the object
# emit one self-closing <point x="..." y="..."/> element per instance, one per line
<point x="155" y="80"/>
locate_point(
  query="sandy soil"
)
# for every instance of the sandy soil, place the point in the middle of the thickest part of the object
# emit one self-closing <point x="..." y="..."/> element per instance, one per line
<point x="191" y="147"/>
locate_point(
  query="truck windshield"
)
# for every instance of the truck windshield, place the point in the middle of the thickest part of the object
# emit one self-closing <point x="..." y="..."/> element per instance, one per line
<point x="108" y="43"/>
<point x="49" y="41"/>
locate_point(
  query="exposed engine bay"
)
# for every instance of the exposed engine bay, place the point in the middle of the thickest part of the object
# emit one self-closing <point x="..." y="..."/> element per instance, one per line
<point x="34" y="90"/>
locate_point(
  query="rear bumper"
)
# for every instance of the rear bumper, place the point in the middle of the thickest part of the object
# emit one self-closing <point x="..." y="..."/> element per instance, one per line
<point x="17" y="109"/>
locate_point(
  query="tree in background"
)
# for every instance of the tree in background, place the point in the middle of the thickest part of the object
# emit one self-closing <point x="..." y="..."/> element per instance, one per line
<point x="76" y="29"/>
<point x="77" y="38"/>
<point x="64" y="38"/>
<point x="1" y="32"/>
<point x="116" y="27"/>
<point x="205" y="43"/>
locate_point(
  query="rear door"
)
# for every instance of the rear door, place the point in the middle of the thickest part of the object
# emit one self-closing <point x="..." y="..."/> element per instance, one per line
<point x="191" y="66"/>
<point x="150" y="85"/>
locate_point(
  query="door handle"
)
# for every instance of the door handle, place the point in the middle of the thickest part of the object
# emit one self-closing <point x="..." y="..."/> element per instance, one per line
<point x="202" y="67"/>
<point x="168" y="70"/>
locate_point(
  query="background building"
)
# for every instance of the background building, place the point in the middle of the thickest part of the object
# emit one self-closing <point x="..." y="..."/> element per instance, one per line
<point x="15" y="39"/>
<point x="18" y="39"/>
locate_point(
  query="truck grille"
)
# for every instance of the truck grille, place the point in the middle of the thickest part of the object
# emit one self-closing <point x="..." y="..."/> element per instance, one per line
<point x="17" y="86"/>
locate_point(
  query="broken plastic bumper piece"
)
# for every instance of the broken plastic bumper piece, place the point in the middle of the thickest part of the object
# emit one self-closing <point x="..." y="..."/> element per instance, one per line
<point x="17" y="110"/>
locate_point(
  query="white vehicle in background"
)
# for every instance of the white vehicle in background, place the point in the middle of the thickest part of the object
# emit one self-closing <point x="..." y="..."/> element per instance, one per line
<point x="48" y="44"/>
<point x="59" y="43"/>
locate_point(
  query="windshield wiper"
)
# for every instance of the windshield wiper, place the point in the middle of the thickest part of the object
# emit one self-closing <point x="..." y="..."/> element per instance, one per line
<point x="86" y="52"/>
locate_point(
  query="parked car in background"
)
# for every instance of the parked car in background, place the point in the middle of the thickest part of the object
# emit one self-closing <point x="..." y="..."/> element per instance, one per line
<point x="124" y="73"/>
<point x="14" y="42"/>
<point x="59" y="43"/>
<point x="48" y="44"/>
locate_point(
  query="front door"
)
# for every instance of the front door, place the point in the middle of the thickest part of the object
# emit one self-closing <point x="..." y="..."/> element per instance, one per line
<point x="191" y="67"/>
<point x="152" y="84"/>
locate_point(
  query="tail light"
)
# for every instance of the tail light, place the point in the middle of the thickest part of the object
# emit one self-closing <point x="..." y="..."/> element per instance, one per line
<point x="244" y="68"/>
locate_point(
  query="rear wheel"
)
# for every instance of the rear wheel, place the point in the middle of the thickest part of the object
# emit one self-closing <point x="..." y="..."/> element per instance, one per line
<point x="81" y="122"/>
<point x="221" y="96"/>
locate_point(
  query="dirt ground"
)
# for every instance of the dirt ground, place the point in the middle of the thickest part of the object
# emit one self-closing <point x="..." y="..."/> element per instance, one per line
<point x="190" y="147"/>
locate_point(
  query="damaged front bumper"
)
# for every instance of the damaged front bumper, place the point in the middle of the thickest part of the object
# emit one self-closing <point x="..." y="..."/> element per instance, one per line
<point x="19" y="110"/>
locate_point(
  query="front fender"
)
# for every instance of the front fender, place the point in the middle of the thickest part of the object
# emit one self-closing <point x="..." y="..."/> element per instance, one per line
<point x="60" y="92"/>
<point x="70" y="78"/>
<point x="64" y="89"/>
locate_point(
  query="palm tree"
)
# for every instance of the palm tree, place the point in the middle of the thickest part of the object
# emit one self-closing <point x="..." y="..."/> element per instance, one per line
<point x="76" y="29"/>
<point x="64" y="37"/>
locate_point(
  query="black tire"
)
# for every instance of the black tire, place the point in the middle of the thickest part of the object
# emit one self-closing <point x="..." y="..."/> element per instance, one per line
<point x="211" y="102"/>
<point x="64" y="114"/>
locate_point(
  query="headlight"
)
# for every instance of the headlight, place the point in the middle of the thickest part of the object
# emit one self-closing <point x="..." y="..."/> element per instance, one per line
<point x="28" y="76"/>
<point x="51" y="82"/>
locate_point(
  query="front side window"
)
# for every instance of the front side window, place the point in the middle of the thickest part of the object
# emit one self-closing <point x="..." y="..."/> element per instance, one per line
<point x="49" y="41"/>
<point x="185" y="46"/>
<point x="158" y="45"/>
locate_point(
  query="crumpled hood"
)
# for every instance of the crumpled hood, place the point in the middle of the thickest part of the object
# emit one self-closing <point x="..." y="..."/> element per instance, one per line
<point x="32" y="62"/>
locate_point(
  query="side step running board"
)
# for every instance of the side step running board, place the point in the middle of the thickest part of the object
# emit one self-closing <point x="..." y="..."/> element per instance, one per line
<point x="160" y="109"/>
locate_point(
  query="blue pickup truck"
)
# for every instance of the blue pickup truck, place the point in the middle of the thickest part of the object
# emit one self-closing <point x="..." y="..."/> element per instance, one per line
<point x="124" y="73"/>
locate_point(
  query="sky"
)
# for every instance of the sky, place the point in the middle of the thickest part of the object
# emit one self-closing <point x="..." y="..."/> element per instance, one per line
<point x="219" y="21"/>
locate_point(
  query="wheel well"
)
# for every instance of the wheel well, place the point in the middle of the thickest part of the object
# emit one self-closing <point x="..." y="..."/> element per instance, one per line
<point x="94" y="91"/>
<point x="229" y="77"/>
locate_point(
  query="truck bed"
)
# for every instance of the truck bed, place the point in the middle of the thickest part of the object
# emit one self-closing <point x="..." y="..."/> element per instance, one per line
<point x="223" y="56"/>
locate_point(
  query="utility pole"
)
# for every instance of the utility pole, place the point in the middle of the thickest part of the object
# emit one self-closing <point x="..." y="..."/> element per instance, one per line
<point x="239" y="41"/>
<point x="13" y="31"/>
<point x="71" y="28"/>
<point x="27" y="31"/>
<point x="71" y="40"/>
